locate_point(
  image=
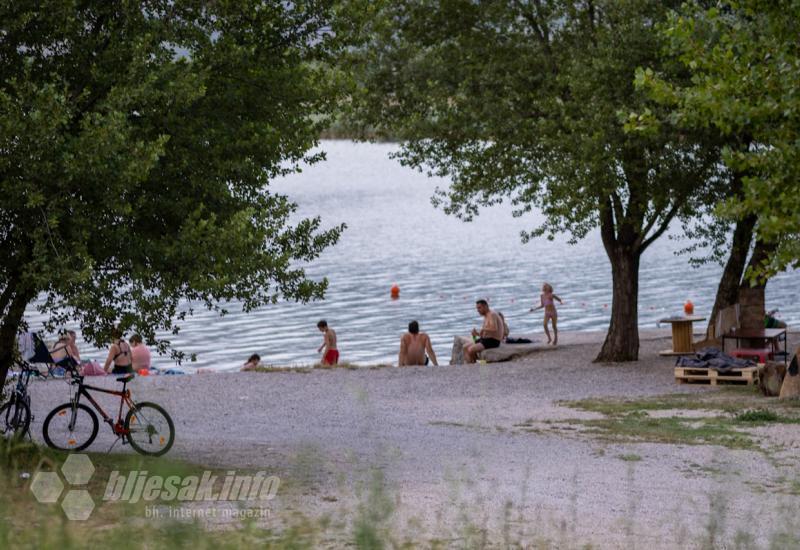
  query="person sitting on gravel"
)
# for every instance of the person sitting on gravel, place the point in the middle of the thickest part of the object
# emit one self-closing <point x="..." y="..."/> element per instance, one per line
<point x="140" y="355"/>
<point x="415" y="347"/>
<point x="119" y="355"/>
<point x="252" y="363"/>
<point x="65" y="352"/>
<point x="505" y="325"/>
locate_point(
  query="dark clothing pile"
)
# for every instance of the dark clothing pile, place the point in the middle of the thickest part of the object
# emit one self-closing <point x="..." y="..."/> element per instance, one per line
<point x="713" y="358"/>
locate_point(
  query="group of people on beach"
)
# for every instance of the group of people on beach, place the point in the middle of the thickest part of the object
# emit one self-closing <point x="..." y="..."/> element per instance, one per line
<point x="416" y="348"/>
<point x="123" y="357"/>
<point x="133" y="356"/>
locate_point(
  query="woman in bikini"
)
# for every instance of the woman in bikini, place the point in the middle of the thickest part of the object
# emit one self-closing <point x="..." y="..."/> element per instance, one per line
<point x="547" y="301"/>
<point x="119" y="355"/>
<point x="65" y="352"/>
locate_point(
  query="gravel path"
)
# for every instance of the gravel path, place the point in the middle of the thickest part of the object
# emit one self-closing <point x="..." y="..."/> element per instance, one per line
<point x="449" y="444"/>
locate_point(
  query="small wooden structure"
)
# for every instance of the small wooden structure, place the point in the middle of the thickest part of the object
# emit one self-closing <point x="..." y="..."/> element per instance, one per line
<point x="682" y="334"/>
<point x="747" y="376"/>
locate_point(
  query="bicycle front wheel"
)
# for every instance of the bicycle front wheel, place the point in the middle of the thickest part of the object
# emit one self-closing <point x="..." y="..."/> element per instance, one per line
<point x="150" y="429"/>
<point x="70" y="428"/>
<point x="15" y="418"/>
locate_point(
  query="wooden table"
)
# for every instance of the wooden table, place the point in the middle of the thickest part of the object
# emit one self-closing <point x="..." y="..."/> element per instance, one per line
<point x="682" y="335"/>
<point x="771" y="335"/>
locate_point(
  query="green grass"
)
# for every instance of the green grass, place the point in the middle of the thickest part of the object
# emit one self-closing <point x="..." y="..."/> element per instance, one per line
<point x="305" y="369"/>
<point x="272" y="368"/>
<point x="671" y="430"/>
<point x="25" y="524"/>
<point x="759" y="416"/>
<point x="731" y="399"/>
<point x="629" y="420"/>
<point x="630" y="457"/>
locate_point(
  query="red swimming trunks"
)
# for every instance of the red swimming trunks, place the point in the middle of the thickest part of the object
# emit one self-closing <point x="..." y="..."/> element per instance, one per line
<point x="331" y="357"/>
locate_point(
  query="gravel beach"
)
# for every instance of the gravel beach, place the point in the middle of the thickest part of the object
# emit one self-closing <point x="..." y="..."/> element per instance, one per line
<point x="479" y="446"/>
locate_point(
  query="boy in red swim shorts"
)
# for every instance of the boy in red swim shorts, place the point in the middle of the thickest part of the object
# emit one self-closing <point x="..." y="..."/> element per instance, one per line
<point x="331" y="356"/>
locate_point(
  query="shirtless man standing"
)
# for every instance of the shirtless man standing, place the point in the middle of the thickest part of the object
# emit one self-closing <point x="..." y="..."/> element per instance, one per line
<point x="413" y="347"/>
<point x="331" y="356"/>
<point x="491" y="333"/>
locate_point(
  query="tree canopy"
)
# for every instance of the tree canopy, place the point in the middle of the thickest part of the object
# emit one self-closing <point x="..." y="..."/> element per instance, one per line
<point x="744" y="58"/>
<point x="137" y="141"/>
<point x="531" y="102"/>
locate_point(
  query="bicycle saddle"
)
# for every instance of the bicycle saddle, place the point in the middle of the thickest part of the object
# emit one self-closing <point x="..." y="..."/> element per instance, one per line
<point x="126" y="379"/>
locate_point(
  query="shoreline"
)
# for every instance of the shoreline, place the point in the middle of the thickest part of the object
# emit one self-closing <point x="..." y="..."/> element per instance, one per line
<point x="566" y="338"/>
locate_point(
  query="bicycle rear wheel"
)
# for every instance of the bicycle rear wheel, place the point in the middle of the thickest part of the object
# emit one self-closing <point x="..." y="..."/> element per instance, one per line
<point x="69" y="428"/>
<point x="150" y="429"/>
<point x="15" y="418"/>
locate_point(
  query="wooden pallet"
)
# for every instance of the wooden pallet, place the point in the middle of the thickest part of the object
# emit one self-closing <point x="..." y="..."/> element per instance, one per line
<point x="746" y="377"/>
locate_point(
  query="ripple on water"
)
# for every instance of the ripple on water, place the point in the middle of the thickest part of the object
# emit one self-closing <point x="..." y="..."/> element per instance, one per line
<point x="441" y="265"/>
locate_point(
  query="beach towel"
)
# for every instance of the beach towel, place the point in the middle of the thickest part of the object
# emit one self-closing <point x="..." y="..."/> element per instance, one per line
<point x="92" y="368"/>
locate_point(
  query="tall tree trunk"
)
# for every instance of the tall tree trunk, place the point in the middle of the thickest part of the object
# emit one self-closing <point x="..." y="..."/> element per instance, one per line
<point x="752" y="297"/>
<point x="9" y="327"/>
<point x="622" y="340"/>
<point x="728" y="289"/>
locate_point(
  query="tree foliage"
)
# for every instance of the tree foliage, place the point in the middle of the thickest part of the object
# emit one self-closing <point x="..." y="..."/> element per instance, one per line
<point x="532" y="101"/>
<point x="744" y="58"/>
<point x="137" y="141"/>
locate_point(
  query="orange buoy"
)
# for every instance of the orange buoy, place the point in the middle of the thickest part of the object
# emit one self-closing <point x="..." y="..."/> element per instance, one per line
<point x="688" y="307"/>
<point x="144" y="372"/>
<point x="395" y="292"/>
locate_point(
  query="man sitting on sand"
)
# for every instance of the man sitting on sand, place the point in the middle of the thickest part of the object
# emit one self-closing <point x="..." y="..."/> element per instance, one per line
<point x="140" y="354"/>
<point x="490" y="335"/>
<point x="331" y="355"/>
<point x="413" y="347"/>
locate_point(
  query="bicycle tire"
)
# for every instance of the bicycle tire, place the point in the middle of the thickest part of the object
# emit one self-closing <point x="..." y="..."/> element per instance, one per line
<point x="164" y="441"/>
<point x="70" y="448"/>
<point x="15" y="418"/>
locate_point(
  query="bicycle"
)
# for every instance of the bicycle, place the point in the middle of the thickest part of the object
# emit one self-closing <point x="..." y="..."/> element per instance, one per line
<point x="73" y="426"/>
<point x="15" y="414"/>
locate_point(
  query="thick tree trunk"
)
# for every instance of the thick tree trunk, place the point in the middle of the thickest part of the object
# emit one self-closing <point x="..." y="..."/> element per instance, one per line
<point x="728" y="289"/>
<point x="622" y="340"/>
<point x="9" y="327"/>
<point x="752" y="299"/>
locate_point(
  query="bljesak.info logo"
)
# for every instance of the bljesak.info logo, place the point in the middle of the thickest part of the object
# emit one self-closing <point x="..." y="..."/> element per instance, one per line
<point x="141" y="486"/>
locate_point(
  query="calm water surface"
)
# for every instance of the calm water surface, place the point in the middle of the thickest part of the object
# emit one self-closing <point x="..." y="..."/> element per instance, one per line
<point x="441" y="264"/>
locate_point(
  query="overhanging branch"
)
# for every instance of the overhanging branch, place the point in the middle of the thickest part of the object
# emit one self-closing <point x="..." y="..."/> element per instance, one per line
<point x="662" y="228"/>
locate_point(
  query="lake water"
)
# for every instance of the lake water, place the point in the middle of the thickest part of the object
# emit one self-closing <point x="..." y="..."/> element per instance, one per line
<point x="442" y="266"/>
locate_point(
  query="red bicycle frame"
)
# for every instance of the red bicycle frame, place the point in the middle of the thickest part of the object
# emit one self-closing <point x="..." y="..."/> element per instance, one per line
<point x="125" y="399"/>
